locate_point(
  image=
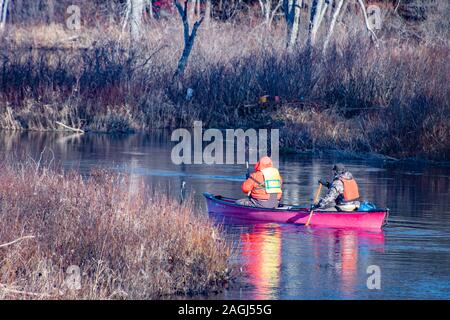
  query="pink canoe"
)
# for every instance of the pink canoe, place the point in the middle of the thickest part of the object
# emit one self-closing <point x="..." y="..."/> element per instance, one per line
<point x="374" y="219"/>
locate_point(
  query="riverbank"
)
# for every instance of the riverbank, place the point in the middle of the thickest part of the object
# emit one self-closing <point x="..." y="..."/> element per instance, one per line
<point x="390" y="100"/>
<point x="103" y="237"/>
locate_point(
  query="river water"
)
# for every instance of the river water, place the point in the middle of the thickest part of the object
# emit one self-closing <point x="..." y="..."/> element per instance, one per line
<point x="411" y="255"/>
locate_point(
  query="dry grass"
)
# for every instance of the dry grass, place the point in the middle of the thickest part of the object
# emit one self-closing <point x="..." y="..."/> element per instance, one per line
<point x="379" y="98"/>
<point x="129" y="242"/>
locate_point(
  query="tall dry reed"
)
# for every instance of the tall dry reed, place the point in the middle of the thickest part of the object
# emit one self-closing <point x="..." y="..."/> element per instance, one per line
<point x="127" y="241"/>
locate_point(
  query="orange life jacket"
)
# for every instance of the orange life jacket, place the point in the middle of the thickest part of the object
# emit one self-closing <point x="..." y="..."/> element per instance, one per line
<point x="351" y="191"/>
<point x="264" y="183"/>
<point x="272" y="180"/>
<point x="266" y="180"/>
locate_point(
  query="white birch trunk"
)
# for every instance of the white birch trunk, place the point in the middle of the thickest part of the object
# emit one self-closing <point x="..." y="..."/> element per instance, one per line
<point x="330" y="9"/>
<point x="267" y="12"/>
<point x="332" y="24"/>
<point x="273" y="13"/>
<point x="292" y="16"/>
<point x="316" y="17"/>
<point x="51" y="11"/>
<point x="150" y="9"/>
<point x="295" y="26"/>
<point x="208" y="13"/>
<point x="4" y="12"/>
<point x="136" y="10"/>
<point x="322" y="14"/>
<point x="366" y="20"/>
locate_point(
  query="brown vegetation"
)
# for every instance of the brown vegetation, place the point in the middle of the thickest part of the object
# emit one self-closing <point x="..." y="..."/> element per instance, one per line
<point x="391" y="99"/>
<point x="128" y="241"/>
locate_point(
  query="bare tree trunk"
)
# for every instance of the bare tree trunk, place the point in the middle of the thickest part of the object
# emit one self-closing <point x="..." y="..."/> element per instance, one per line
<point x="332" y="24"/>
<point x="137" y="8"/>
<point x="330" y="8"/>
<point x="3" y="12"/>
<point x="197" y="8"/>
<point x="344" y="8"/>
<point x="51" y="11"/>
<point x="292" y="16"/>
<point x="268" y="11"/>
<point x="208" y="13"/>
<point x="133" y="17"/>
<point x="188" y="36"/>
<point x="264" y="4"/>
<point x="274" y="11"/>
<point x="150" y="9"/>
<point x="315" y="18"/>
<point x="322" y="13"/>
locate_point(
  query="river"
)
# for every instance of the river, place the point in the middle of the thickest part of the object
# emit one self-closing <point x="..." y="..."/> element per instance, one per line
<point x="411" y="255"/>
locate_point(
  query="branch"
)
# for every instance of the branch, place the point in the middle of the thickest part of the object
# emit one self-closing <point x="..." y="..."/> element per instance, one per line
<point x="15" y="241"/>
<point x="333" y="23"/>
<point x="276" y="8"/>
<point x="184" y="19"/>
<point x="366" y="20"/>
<point x="4" y="287"/>
<point x="69" y="128"/>
<point x="196" y="26"/>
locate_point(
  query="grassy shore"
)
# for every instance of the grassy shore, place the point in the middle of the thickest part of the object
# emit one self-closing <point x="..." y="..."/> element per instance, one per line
<point x="391" y="99"/>
<point x="128" y="242"/>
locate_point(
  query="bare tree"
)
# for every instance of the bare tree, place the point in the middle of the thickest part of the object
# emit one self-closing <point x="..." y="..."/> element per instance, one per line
<point x="50" y="11"/>
<point x="268" y="10"/>
<point x="291" y="10"/>
<point x="315" y="18"/>
<point x="133" y="17"/>
<point x="188" y="36"/>
<point x="3" y="12"/>
<point x="323" y="6"/>
<point x="332" y="24"/>
<point x="337" y="11"/>
<point x="366" y="20"/>
<point x="208" y="12"/>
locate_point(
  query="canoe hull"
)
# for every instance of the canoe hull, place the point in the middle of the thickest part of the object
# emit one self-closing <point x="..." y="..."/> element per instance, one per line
<point x="227" y="208"/>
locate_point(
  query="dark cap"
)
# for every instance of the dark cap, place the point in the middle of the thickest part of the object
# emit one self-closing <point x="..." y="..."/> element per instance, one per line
<point x="339" y="168"/>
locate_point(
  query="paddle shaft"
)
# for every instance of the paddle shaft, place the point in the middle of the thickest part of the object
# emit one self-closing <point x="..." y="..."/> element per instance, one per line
<point x="248" y="175"/>
<point x="316" y="197"/>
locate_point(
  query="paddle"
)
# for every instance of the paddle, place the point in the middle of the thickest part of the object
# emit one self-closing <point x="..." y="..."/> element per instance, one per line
<point x="248" y="170"/>
<point x="316" y="197"/>
<point x="247" y="176"/>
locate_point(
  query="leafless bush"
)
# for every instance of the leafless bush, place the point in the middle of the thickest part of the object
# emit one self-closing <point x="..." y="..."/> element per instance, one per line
<point x="128" y="241"/>
<point x="387" y="93"/>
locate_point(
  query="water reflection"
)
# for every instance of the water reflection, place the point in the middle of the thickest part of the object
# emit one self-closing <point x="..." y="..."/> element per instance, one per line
<point x="283" y="261"/>
<point x="278" y="258"/>
<point x="261" y="252"/>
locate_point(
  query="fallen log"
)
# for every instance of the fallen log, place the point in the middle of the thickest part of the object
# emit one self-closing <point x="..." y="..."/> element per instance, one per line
<point x="15" y="241"/>
<point x="69" y="128"/>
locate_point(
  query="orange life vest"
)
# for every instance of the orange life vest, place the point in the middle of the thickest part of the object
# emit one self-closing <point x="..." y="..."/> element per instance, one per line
<point x="272" y="180"/>
<point x="351" y="191"/>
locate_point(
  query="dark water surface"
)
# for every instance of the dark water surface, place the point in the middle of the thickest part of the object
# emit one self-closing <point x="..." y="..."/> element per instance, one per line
<point x="286" y="261"/>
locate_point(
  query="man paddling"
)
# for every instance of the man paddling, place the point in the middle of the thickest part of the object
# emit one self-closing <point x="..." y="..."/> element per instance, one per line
<point x="343" y="193"/>
<point x="263" y="186"/>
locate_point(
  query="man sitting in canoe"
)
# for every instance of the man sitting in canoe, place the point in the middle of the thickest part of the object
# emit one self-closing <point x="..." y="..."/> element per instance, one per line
<point x="343" y="193"/>
<point x="263" y="186"/>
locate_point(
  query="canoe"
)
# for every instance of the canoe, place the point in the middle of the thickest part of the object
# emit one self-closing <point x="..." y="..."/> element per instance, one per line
<point x="373" y="219"/>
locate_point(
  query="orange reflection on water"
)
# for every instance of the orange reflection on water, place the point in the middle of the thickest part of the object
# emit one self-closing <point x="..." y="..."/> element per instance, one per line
<point x="261" y="250"/>
<point x="350" y="246"/>
<point x="349" y="260"/>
